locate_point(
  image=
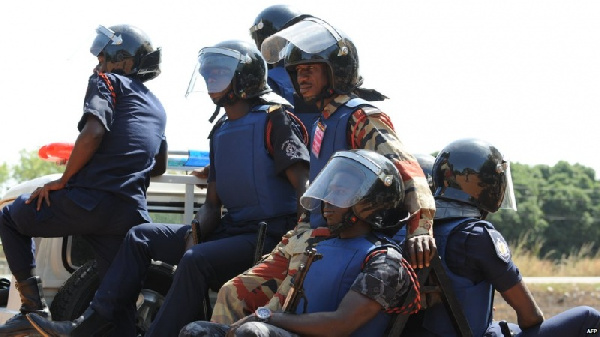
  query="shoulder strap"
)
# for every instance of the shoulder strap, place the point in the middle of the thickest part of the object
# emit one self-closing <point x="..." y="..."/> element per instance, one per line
<point x="217" y="126"/>
<point x="355" y="102"/>
<point x="110" y="88"/>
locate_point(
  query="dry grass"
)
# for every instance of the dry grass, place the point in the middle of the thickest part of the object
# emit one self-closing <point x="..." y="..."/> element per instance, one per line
<point x="580" y="262"/>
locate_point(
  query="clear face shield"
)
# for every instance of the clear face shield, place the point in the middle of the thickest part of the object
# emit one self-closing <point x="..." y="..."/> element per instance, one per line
<point x="311" y="35"/>
<point x="217" y="67"/>
<point x="343" y="182"/>
<point x="104" y="36"/>
<point x="509" y="201"/>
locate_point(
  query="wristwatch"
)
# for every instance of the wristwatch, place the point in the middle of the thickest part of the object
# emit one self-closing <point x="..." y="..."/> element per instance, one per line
<point x="263" y="314"/>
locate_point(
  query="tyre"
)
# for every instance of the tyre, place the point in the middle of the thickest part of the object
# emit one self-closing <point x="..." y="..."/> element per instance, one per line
<point x="77" y="293"/>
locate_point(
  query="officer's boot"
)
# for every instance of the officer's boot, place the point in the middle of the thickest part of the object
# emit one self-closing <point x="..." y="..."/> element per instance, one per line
<point x="89" y="324"/>
<point x="32" y="301"/>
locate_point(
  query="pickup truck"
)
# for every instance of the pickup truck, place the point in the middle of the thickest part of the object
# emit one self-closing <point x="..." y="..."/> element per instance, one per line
<point x="67" y="267"/>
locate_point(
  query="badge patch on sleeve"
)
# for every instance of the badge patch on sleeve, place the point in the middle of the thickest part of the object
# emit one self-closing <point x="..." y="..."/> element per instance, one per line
<point x="500" y="245"/>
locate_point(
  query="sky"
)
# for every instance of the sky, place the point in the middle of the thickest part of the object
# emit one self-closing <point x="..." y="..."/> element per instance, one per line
<point x="523" y="75"/>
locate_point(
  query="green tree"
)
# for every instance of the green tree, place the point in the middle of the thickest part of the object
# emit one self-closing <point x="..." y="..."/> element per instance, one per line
<point x="569" y="208"/>
<point x="4" y="175"/>
<point x="558" y="206"/>
<point x="31" y="166"/>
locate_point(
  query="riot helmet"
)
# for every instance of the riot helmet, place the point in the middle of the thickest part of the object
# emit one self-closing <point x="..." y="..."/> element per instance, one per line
<point x="364" y="181"/>
<point x="426" y="162"/>
<point x="313" y="40"/>
<point x="273" y="19"/>
<point x="121" y="42"/>
<point x="474" y="172"/>
<point x="234" y="62"/>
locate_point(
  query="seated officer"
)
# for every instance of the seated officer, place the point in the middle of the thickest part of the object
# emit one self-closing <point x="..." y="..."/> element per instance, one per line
<point x="102" y="192"/>
<point x="471" y="180"/>
<point x="361" y="274"/>
<point x="258" y="171"/>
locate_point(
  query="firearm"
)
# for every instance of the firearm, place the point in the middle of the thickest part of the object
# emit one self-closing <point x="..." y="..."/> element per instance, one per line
<point x="260" y="241"/>
<point x="297" y="291"/>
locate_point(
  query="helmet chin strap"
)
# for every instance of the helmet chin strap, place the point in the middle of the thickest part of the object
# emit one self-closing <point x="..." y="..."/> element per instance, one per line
<point x="227" y="99"/>
<point x="348" y="221"/>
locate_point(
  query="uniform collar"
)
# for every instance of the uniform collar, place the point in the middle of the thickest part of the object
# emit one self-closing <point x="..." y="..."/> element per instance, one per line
<point x="445" y="209"/>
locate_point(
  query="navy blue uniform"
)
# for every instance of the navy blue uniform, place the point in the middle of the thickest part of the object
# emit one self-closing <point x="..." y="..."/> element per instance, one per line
<point x="252" y="185"/>
<point x="107" y="196"/>
<point x="478" y="261"/>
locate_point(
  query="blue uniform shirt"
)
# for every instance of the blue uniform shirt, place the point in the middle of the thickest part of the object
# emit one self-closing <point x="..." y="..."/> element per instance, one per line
<point x="479" y="259"/>
<point x="135" y="127"/>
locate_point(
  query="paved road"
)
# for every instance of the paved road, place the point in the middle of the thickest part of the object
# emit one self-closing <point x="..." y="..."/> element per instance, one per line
<point x="532" y="280"/>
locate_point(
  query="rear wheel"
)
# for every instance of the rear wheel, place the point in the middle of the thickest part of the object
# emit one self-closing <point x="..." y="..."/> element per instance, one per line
<point x="77" y="293"/>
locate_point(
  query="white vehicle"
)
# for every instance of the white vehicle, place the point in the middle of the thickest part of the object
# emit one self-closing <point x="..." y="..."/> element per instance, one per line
<point x="66" y="265"/>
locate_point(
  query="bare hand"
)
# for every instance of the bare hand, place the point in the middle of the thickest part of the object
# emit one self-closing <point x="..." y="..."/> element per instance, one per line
<point x="420" y="249"/>
<point x="236" y="325"/>
<point x="202" y="174"/>
<point x="43" y="193"/>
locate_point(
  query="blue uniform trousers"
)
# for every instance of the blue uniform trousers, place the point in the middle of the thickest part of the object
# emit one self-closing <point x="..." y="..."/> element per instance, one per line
<point x="204" y="266"/>
<point x="573" y="322"/>
<point x="103" y="226"/>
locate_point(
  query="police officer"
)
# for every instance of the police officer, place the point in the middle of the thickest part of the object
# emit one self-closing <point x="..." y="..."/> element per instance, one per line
<point x="102" y="193"/>
<point x="326" y="74"/>
<point x="258" y="171"/>
<point x="323" y="65"/>
<point x="471" y="180"/>
<point x="361" y="273"/>
<point x="268" y="22"/>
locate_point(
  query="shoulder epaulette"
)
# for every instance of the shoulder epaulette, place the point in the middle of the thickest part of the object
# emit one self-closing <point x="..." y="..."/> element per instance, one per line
<point x="110" y="87"/>
<point x="274" y="107"/>
<point x="370" y="110"/>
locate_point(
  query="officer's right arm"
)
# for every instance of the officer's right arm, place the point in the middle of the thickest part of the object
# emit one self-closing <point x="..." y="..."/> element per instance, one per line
<point x="209" y="214"/>
<point x="520" y="299"/>
<point x="87" y="143"/>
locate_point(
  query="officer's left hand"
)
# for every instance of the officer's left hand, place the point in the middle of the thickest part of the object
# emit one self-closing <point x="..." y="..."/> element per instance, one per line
<point x="420" y="249"/>
<point x="43" y="193"/>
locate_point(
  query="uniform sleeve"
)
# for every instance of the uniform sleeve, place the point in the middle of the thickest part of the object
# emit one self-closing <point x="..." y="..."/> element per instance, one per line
<point x="287" y="144"/>
<point x="487" y="258"/>
<point x="383" y="279"/>
<point x="373" y="130"/>
<point x="98" y="102"/>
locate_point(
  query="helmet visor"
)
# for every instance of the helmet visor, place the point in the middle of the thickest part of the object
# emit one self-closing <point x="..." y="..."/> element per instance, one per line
<point x="509" y="201"/>
<point x="217" y="66"/>
<point x="104" y="36"/>
<point x="311" y="35"/>
<point x="344" y="181"/>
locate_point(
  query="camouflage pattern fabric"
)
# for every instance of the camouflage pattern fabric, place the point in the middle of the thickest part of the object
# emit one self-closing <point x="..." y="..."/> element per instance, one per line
<point x="383" y="278"/>
<point x="372" y="129"/>
<point x="270" y="280"/>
